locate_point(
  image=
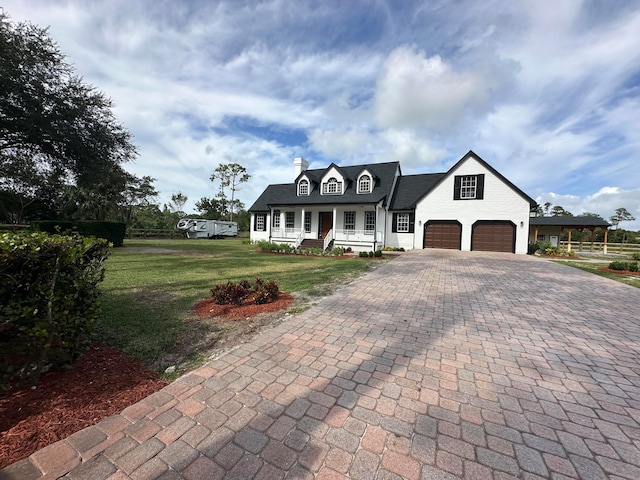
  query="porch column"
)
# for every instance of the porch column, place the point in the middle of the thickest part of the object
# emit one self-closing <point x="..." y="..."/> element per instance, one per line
<point x="302" y="224"/>
<point x="569" y="240"/>
<point x="335" y="217"/>
<point x="581" y="230"/>
<point x="606" y="235"/>
<point x="593" y="234"/>
<point x="535" y="234"/>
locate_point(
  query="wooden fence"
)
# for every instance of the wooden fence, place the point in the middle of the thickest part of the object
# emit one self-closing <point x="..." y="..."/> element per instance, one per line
<point x="153" y="233"/>
<point x="624" y="248"/>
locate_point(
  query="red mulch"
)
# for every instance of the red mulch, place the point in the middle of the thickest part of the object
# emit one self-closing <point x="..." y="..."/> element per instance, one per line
<point x="621" y="272"/>
<point x="102" y="383"/>
<point x="208" y="308"/>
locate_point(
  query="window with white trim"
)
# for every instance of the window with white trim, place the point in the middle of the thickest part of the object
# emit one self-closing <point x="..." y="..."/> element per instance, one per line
<point x="364" y="184"/>
<point x="307" y="222"/>
<point x="332" y="187"/>
<point x="468" y="187"/>
<point x="369" y="222"/>
<point x="289" y="218"/>
<point x="303" y="187"/>
<point x="260" y="221"/>
<point x="276" y="219"/>
<point x="402" y="223"/>
<point x="349" y="220"/>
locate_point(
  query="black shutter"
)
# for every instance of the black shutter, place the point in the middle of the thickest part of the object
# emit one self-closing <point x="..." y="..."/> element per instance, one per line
<point x="412" y="221"/>
<point x="457" y="185"/>
<point x="394" y="223"/>
<point x="480" y="186"/>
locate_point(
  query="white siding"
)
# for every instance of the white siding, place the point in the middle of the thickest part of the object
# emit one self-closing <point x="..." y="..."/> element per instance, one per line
<point x="500" y="202"/>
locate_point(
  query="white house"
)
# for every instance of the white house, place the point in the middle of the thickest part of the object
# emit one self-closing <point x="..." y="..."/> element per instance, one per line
<point x="366" y="207"/>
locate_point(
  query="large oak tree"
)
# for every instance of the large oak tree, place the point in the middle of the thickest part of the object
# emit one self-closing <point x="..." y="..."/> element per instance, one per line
<point x="55" y="129"/>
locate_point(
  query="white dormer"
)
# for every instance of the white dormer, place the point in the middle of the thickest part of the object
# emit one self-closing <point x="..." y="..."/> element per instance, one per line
<point x="333" y="182"/>
<point x="365" y="181"/>
<point x="304" y="186"/>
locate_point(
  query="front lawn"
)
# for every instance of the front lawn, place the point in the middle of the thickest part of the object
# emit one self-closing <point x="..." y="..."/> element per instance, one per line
<point x="596" y="268"/>
<point x="150" y="288"/>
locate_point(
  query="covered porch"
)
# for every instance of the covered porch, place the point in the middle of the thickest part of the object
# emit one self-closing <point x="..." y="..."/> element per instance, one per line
<point x="550" y="228"/>
<point x="349" y="226"/>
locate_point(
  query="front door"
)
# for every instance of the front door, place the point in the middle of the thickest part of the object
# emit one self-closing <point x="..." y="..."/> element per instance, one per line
<point x="326" y="223"/>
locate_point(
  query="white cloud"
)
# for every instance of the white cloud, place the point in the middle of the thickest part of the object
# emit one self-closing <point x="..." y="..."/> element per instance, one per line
<point x="417" y="91"/>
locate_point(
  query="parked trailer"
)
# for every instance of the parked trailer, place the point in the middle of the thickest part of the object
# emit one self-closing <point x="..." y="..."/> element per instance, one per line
<point x="201" y="228"/>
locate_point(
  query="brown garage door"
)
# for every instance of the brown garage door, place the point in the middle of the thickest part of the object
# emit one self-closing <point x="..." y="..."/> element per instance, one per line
<point x="442" y="234"/>
<point x="494" y="236"/>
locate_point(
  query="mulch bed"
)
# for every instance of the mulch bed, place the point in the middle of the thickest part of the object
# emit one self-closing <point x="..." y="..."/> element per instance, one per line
<point x="102" y="383"/>
<point x="620" y="272"/>
<point x="208" y="308"/>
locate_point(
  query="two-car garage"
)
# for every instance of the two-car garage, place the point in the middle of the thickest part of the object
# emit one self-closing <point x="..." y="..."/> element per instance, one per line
<point x="486" y="235"/>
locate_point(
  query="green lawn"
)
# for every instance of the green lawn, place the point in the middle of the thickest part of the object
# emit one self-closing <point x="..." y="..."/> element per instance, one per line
<point x="595" y="268"/>
<point x="151" y="285"/>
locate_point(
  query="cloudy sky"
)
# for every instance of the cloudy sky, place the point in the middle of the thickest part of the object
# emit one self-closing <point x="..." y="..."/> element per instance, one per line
<point x="546" y="92"/>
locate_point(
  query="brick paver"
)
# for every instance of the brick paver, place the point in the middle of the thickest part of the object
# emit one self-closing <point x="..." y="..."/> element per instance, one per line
<point x="437" y="365"/>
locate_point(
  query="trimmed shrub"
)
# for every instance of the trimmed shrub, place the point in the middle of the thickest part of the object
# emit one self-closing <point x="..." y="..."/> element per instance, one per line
<point x="636" y="256"/>
<point x="114" y="232"/>
<point x="633" y="266"/>
<point x="377" y="253"/>
<point x="53" y="226"/>
<point x="48" y="301"/>
<point x="619" y="265"/>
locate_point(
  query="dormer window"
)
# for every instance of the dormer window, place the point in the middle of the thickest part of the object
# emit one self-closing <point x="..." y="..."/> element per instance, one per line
<point x="364" y="184"/>
<point x="303" y="187"/>
<point x="332" y="187"/>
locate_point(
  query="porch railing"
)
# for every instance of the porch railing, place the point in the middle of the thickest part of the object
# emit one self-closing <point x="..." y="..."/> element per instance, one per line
<point x="328" y="239"/>
<point x="299" y="239"/>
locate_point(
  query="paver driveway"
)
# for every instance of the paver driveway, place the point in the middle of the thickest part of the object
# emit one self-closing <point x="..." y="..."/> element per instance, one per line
<point x="437" y="365"/>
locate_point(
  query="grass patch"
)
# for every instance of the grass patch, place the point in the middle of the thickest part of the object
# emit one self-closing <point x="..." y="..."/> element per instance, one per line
<point x="151" y="286"/>
<point x="595" y="268"/>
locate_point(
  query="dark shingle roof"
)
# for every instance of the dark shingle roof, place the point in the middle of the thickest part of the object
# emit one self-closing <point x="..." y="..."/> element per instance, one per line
<point x="567" y="221"/>
<point x="286" y="194"/>
<point x="412" y="188"/>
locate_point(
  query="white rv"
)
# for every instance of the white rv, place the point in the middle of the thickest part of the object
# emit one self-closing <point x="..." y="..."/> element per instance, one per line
<point x="201" y="228"/>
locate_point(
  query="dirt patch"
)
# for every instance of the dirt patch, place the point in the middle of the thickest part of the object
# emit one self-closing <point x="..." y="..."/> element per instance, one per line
<point x="105" y="381"/>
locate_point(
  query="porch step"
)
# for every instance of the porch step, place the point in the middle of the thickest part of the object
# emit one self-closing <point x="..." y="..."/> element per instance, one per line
<point x="312" y="243"/>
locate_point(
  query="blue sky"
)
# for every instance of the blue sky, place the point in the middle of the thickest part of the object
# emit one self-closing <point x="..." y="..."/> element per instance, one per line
<point x="547" y="92"/>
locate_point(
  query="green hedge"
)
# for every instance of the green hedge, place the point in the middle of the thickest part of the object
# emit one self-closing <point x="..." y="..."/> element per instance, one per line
<point x="48" y="294"/>
<point x="114" y="232"/>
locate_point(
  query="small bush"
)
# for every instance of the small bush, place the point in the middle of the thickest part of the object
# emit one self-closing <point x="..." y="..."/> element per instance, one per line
<point x="377" y="253"/>
<point x="337" y="251"/>
<point x="237" y="293"/>
<point x="363" y="254"/>
<point x="619" y="265"/>
<point x="393" y="249"/>
<point x="636" y="256"/>
<point x="265" y="292"/>
<point x="230" y="293"/>
<point x="348" y="250"/>
<point x="370" y="254"/>
<point x="633" y="266"/>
